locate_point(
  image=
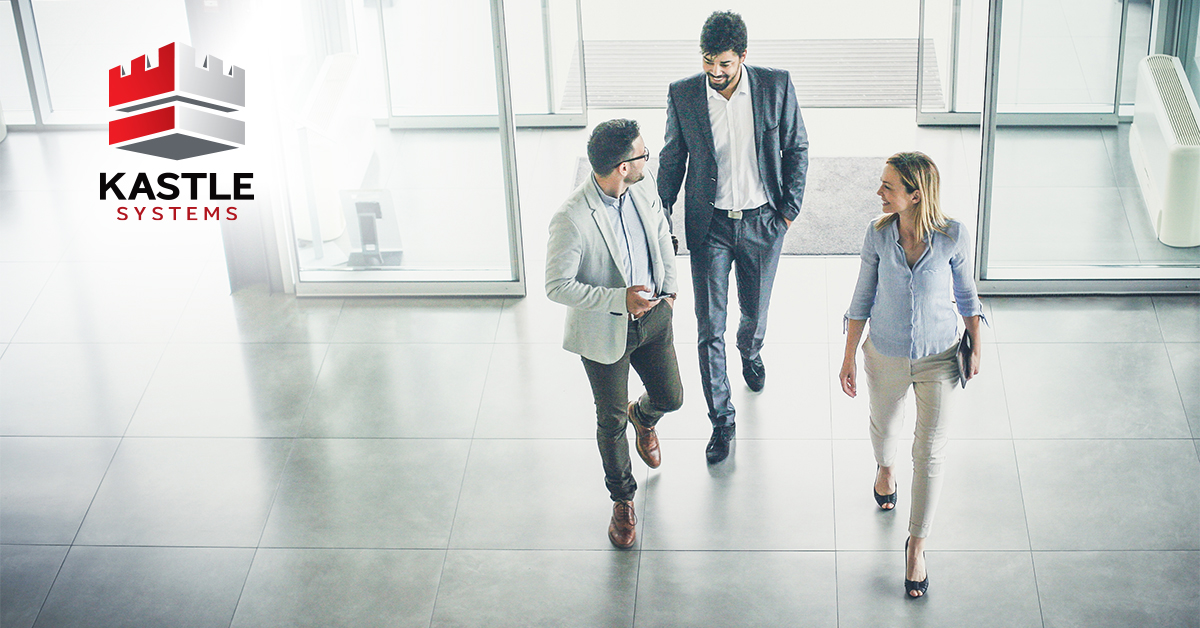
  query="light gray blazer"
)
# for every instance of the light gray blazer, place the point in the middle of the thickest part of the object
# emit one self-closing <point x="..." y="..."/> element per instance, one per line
<point x="582" y="271"/>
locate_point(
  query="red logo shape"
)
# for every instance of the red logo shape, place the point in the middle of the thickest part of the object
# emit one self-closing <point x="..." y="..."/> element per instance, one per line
<point x="178" y="109"/>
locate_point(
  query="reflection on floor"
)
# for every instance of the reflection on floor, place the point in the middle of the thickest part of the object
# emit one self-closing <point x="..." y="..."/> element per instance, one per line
<point x="172" y="455"/>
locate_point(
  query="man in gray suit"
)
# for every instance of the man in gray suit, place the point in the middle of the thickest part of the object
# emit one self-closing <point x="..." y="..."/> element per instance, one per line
<point x="610" y="260"/>
<point x="737" y="132"/>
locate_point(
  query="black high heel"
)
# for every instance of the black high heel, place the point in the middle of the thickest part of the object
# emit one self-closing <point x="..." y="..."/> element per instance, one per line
<point x="912" y="585"/>
<point x="885" y="499"/>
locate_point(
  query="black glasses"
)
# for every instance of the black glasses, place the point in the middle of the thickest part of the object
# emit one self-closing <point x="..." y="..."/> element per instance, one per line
<point x="645" y="156"/>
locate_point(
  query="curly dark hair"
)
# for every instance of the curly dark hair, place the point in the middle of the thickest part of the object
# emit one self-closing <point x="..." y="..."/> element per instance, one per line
<point x="611" y="142"/>
<point x="723" y="30"/>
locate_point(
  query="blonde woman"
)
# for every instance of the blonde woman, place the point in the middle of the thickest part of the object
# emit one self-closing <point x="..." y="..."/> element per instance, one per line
<point x="916" y="263"/>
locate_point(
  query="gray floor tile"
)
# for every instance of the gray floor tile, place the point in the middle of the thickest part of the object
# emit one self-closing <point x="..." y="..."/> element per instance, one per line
<point x="965" y="588"/>
<point x="538" y="391"/>
<point x="535" y="588"/>
<point x="799" y="312"/>
<point x="26" y="573"/>
<point x="48" y="485"/>
<point x="20" y="283"/>
<point x="1152" y="485"/>
<point x="368" y="494"/>
<point x="1117" y="589"/>
<point x="1075" y="319"/>
<point x="382" y="390"/>
<point x="229" y="390"/>
<point x="73" y="389"/>
<point x="795" y="403"/>
<point x="1185" y="362"/>
<point x="1150" y="249"/>
<point x="110" y="302"/>
<point x="253" y="315"/>
<point x="1179" y="317"/>
<point x="1116" y="141"/>
<point x="173" y="587"/>
<point x="319" y="588"/>
<point x="983" y="410"/>
<point x="980" y="506"/>
<point x="1095" y="216"/>
<point x="736" y="589"/>
<point x="534" y="319"/>
<point x="24" y="213"/>
<point x="542" y="494"/>
<point x="1092" y="390"/>
<point x="193" y="491"/>
<point x="768" y="495"/>
<point x="1051" y="158"/>
<point x="419" y="320"/>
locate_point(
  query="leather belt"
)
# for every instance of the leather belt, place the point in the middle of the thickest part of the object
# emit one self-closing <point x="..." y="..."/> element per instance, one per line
<point x="737" y="214"/>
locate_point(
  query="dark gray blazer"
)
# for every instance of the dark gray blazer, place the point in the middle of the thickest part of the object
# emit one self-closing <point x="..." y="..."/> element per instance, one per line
<point x="779" y="135"/>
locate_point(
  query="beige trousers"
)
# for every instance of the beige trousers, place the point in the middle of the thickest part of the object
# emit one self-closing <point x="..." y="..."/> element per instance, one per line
<point x="934" y="380"/>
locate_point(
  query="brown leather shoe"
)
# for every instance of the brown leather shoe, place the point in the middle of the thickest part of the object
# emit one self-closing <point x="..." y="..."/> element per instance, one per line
<point x="647" y="439"/>
<point x="622" y="530"/>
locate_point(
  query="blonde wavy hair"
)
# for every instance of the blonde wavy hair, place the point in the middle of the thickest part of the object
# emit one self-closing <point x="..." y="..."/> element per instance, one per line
<point x="918" y="172"/>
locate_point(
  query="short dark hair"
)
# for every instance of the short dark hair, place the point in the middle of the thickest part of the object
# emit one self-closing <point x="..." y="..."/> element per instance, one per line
<point x="611" y="142"/>
<point x="723" y="30"/>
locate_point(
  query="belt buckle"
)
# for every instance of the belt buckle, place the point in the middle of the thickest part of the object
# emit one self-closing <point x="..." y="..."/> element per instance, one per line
<point x="735" y="215"/>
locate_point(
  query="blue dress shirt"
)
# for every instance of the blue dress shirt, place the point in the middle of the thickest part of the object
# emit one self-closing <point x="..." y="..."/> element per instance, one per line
<point x="911" y="310"/>
<point x="631" y="239"/>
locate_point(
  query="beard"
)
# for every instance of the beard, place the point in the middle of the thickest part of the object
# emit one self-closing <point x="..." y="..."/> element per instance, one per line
<point x="634" y="178"/>
<point x="721" y="85"/>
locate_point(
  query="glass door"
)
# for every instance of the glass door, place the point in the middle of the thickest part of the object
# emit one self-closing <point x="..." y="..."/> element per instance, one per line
<point x="409" y="209"/>
<point x="1062" y="207"/>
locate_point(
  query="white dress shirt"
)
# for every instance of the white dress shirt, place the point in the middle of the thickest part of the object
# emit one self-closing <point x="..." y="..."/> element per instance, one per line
<point x="738" y="183"/>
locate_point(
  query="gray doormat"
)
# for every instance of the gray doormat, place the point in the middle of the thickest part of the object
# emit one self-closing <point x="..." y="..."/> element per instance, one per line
<point x="826" y="72"/>
<point x="839" y="201"/>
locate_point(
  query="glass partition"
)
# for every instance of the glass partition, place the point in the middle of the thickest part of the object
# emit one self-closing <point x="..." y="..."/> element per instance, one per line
<point x="1067" y="62"/>
<point x="14" y="86"/>
<point x="408" y="210"/>
<point x="438" y="71"/>
<point x="1067" y="207"/>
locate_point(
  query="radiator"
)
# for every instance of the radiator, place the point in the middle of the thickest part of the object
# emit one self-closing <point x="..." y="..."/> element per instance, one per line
<point x="1164" y="144"/>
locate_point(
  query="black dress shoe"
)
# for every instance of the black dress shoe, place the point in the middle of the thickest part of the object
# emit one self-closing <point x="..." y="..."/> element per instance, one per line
<point x="755" y="373"/>
<point x="718" y="445"/>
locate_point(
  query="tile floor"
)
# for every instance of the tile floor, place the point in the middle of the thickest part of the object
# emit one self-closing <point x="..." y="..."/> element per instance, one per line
<point x="171" y="455"/>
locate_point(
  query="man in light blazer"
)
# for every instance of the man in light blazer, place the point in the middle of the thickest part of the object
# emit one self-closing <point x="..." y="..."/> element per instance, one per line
<point x="737" y="132"/>
<point x="610" y="260"/>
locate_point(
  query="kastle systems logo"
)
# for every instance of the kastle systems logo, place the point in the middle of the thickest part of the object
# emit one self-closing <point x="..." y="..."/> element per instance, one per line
<point x="178" y="109"/>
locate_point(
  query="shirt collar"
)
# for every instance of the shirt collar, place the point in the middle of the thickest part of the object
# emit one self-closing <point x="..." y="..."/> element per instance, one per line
<point x="615" y="203"/>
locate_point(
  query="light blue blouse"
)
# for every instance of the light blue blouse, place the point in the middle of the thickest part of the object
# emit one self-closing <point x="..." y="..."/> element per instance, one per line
<point x="912" y="311"/>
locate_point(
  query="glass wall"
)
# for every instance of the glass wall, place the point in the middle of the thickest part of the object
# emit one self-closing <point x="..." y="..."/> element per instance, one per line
<point x="14" y="88"/>
<point x="437" y="59"/>
<point x="1061" y="56"/>
<point x="76" y="42"/>
<point x="407" y="209"/>
<point x="1063" y="207"/>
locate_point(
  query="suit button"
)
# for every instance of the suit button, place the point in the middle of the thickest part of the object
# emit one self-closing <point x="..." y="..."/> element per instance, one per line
<point x="712" y="179"/>
<point x="713" y="204"/>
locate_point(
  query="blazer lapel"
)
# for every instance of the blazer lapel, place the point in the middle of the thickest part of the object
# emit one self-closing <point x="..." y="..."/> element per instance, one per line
<point x="600" y="215"/>
<point x="700" y="95"/>
<point x="759" y="101"/>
